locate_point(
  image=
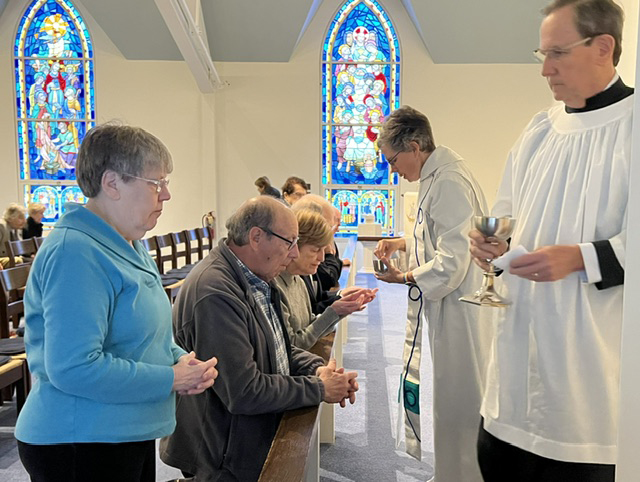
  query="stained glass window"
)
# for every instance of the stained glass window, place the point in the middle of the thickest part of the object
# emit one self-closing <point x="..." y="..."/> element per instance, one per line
<point x="53" y="60"/>
<point x="360" y="87"/>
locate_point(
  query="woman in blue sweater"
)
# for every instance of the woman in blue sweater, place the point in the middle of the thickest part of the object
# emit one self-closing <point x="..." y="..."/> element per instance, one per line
<point x="98" y="324"/>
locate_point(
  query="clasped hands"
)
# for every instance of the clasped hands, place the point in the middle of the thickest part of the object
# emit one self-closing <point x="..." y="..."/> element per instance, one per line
<point x="339" y="385"/>
<point x="192" y="376"/>
<point x="549" y="263"/>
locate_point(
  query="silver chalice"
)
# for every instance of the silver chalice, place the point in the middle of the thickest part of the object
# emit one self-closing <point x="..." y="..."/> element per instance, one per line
<point x="499" y="228"/>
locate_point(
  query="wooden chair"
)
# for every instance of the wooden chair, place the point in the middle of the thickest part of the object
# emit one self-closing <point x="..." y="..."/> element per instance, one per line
<point x="39" y="240"/>
<point x="12" y="280"/>
<point x="170" y="283"/>
<point x="182" y="246"/>
<point x="165" y="242"/>
<point x="151" y="245"/>
<point x="25" y="248"/>
<point x="16" y="373"/>
<point x="206" y="238"/>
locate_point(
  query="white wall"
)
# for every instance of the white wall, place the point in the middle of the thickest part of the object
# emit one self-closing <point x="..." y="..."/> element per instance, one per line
<point x="627" y="65"/>
<point x="161" y="97"/>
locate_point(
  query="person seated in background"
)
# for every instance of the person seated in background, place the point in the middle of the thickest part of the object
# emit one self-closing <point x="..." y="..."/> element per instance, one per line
<point x="265" y="187"/>
<point x="230" y="306"/>
<point x="330" y="269"/>
<point x="98" y="324"/>
<point x="11" y="226"/>
<point x="303" y="325"/>
<point x="293" y="189"/>
<point x="33" y="229"/>
<point x="337" y="220"/>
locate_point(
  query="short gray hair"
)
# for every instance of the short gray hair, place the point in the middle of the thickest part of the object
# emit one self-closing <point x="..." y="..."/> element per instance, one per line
<point x="119" y="148"/>
<point x="593" y="18"/>
<point x="13" y="211"/>
<point x="406" y="125"/>
<point x="256" y="212"/>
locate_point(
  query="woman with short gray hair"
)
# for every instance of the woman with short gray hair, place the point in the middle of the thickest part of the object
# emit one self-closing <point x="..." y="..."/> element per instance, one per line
<point x="439" y="272"/>
<point x="98" y="324"/>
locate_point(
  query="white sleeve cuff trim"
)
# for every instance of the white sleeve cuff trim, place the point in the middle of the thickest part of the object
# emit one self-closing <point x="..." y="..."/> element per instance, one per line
<point x="591" y="273"/>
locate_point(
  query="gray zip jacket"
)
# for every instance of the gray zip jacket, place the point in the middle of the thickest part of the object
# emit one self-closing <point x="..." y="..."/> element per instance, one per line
<point x="225" y="433"/>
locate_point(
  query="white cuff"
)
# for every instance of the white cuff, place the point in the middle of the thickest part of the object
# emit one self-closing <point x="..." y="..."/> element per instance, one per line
<point x="591" y="273"/>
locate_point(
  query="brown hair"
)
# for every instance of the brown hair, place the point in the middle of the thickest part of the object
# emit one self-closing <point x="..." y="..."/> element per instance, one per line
<point x="313" y="229"/>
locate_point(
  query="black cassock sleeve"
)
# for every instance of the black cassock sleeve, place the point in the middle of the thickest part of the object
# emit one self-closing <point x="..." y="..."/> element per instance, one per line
<point x="610" y="269"/>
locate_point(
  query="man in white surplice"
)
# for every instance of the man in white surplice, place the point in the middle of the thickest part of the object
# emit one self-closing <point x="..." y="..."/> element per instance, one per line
<point x="550" y="408"/>
<point x="440" y="271"/>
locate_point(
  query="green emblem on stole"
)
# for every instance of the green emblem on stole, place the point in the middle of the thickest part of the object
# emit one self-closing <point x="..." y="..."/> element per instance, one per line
<point x="412" y="397"/>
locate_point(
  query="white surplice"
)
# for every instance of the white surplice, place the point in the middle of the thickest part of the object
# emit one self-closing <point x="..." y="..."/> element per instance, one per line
<point x="552" y="382"/>
<point x="438" y="255"/>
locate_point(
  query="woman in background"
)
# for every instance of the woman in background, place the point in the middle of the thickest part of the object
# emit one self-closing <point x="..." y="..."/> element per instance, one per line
<point x="33" y="229"/>
<point x="98" y="324"/>
<point x="265" y="188"/>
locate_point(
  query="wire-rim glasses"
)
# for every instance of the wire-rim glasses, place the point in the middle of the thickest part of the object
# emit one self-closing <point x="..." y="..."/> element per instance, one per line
<point x="557" y="53"/>
<point x="158" y="183"/>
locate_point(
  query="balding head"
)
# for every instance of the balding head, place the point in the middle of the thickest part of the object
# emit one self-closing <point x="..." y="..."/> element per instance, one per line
<point x="316" y="203"/>
<point x="262" y="212"/>
<point x="263" y="234"/>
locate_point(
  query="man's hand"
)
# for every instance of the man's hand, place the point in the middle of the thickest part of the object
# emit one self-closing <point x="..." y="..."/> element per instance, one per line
<point x="549" y="263"/>
<point x="339" y="385"/>
<point x="386" y="247"/>
<point x="483" y="249"/>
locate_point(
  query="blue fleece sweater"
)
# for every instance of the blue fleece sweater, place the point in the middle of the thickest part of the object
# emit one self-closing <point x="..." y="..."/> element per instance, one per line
<point x="98" y="338"/>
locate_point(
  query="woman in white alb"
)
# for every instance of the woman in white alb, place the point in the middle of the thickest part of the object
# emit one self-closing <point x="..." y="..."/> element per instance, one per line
<point x="439" y="272"/>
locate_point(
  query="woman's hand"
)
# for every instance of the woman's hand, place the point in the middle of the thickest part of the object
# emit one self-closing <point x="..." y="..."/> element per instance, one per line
<point x="192" y="376"/>
<point x="392" y="275"/>
<point x="386" y="247"/>
<point x="349" y="303"/>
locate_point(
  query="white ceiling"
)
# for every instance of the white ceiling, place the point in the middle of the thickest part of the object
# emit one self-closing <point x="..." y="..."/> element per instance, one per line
<point x="453" y="31"/>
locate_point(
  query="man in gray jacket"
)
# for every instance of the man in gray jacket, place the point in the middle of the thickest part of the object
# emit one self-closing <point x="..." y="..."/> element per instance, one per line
<point x="228" y="307"/>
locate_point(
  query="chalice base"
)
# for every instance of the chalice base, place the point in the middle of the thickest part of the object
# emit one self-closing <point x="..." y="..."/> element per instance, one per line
<point x="486" y="296"/>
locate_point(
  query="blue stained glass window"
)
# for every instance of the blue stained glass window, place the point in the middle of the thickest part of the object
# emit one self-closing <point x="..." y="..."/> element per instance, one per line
<point x="361" y="85"/>
<point x="53" y="62"/>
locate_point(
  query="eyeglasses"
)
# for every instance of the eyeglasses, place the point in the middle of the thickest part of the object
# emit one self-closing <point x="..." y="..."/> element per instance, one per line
<point x="558" y="52"/>
<point x="392" y="160"/>
<point x="290" y="242"/>
<point x="158" y="183"/>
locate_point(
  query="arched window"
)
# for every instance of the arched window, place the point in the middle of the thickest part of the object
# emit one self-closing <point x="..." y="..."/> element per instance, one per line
<point x="360" y="87"/>
<point x="53" y="61"/>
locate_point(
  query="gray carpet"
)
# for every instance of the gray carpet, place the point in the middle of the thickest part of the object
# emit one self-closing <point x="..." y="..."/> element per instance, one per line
<point x="364" y="449"/>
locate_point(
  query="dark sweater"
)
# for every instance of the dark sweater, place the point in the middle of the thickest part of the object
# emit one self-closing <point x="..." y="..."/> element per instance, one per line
<point x="33" y="229"/>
